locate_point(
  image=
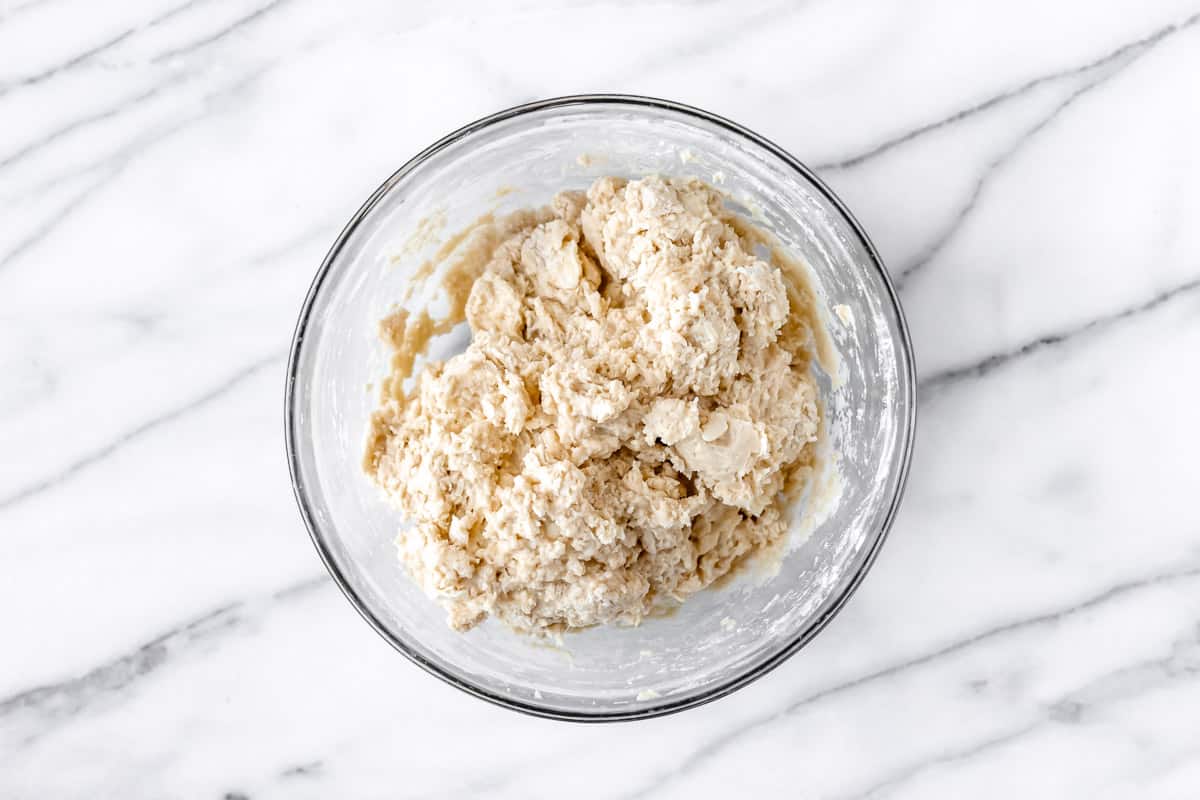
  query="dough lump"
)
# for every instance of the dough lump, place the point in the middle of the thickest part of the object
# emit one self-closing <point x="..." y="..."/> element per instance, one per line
<point x="625" y="426"/>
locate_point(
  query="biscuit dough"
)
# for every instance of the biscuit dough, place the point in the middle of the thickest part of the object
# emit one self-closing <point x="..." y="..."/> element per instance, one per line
<point x="628" y="423"/>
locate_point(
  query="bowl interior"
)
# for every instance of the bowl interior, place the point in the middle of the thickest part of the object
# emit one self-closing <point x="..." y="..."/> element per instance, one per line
<point x="719" y="638"/>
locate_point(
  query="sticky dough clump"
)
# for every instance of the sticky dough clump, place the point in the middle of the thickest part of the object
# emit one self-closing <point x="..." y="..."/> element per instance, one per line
<point x="619" y="434"/>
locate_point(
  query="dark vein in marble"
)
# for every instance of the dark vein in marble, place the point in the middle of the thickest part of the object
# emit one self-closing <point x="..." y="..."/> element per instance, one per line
<point x="21" y="8"/>
<point x="305" y="770"/>
<point x="1105" y="70"/>
<point x="237" y="24"/>
<point x="79" y="58"/>
<point x="95" y="50"/>
<point x="994" y="361"/>
<point x="952" y="229"/>
<point x="299" y="588"/>
<point x="61" y="215"/>
<point x="44" y="707"/>
<point x="97" y="456"/>
<point x="115" y="163"/>
<point x="1181" y="663"/>
<point x="83" y="122"/>
<point x="1010" y="94"/>
<point x="137" y="147"/>
<point x="111" y="168"/>
<point x="1116" y="592"/>
<point x="56" y="701"/>
<point x="115" y="158"/>
<point x="951" y="757"/>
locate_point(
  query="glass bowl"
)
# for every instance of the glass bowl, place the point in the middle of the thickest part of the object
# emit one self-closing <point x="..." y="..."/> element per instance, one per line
<point x="719" y="639"/>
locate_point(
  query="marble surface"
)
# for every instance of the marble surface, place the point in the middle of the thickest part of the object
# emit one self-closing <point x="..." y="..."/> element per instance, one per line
<point x="171" y="173"/>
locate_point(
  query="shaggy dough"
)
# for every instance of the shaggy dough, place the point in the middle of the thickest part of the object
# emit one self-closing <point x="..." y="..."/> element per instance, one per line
<point x="625" y="425"/>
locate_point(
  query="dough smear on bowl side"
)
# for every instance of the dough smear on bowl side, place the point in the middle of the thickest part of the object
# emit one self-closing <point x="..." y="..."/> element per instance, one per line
<point x="628" y="424"/>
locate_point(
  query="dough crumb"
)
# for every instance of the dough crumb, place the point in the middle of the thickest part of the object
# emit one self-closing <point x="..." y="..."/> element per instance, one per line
<point x="627" y="425"/>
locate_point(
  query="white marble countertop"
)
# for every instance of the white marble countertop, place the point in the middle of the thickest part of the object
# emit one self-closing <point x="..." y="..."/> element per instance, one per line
<point x="171" y="173"/>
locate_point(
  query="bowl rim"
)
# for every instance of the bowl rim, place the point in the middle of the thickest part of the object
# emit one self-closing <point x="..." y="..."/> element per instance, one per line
<point x="907" y="388"/>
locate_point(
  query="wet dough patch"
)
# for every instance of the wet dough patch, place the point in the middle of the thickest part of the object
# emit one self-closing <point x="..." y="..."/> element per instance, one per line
<point x="628" y="423"/>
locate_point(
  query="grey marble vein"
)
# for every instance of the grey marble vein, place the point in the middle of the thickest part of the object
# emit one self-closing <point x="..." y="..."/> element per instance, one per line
<point x="994" y="361"/>
<point x="128" y="437"/>
<point x="21" y="8"/>
<point x="42" y="708"/>
<point x="1180" y="664"/>
<point x="219" y="34"/>
<point x="81" y="123"/>
<point x="304" y="770"/>
<point x="57" y="700"/>
<point x="725" y="740"/>
<point x="61" y="215"/>
<point x="1105" y="70"/>
<point x="1009" y="94"/>
<point x="95" y="50"/>
<point x="952" y="229"/>
<point x="118" y="157"/>
<point x="956" y="755"/>
<point x="137" y="147"/>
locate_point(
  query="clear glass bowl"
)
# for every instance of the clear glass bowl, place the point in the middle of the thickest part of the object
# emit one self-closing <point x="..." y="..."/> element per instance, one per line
<point x="720" y="639"/>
